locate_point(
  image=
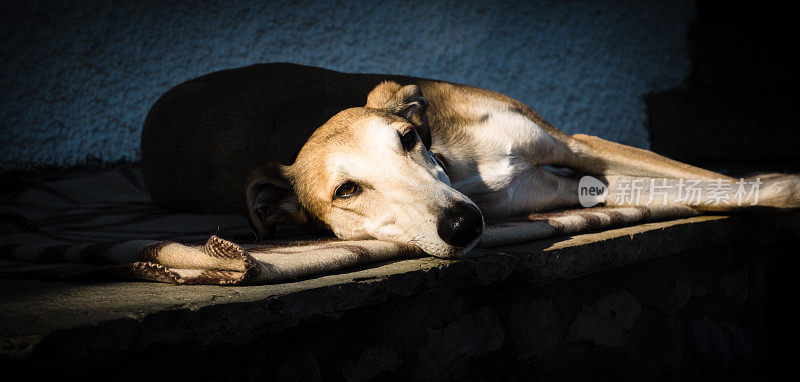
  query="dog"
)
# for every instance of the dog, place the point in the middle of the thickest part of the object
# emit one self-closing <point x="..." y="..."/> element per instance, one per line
<point x="389" y="157"/>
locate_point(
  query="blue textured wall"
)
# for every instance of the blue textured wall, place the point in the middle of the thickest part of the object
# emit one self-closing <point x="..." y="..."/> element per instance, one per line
<point x="78" y="78"/>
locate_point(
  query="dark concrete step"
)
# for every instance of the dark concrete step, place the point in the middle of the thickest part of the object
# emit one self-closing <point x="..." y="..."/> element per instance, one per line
<point x="564" y="307"/>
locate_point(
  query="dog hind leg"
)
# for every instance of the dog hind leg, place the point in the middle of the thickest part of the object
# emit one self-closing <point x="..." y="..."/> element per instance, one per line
<point x="624" y="166"/>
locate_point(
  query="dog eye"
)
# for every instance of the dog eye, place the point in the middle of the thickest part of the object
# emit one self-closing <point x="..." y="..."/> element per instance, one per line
<point x="346" y="190"/>
<point x="439" y="160"/>
<point x="408" y="140"/>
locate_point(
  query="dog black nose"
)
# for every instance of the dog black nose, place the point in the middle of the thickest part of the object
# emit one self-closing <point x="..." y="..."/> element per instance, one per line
<point x="460" y="225"/>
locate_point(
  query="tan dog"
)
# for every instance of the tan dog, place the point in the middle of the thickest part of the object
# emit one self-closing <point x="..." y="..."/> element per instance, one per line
<point x="388" y="157"/>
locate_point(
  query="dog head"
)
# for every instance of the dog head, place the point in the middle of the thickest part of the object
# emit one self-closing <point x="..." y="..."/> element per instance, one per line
<point x="368" y="173"/>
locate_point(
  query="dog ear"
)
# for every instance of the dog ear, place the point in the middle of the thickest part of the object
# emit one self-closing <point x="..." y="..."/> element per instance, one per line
<point x="271" y="200"/>
<point x="404" y="101"/>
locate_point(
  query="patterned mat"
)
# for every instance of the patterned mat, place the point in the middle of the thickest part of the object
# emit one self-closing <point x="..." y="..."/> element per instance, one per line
<point x="105" y="226"/>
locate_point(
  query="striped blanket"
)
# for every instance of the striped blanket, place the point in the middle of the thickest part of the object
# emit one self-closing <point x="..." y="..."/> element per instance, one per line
<point x="105" y="226"/>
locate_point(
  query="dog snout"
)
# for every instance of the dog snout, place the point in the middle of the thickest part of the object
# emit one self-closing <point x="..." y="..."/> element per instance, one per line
<point x="460" y="225"/>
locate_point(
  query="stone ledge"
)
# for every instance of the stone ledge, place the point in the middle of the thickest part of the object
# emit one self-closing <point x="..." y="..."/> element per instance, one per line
<point x="48" y="324"/>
